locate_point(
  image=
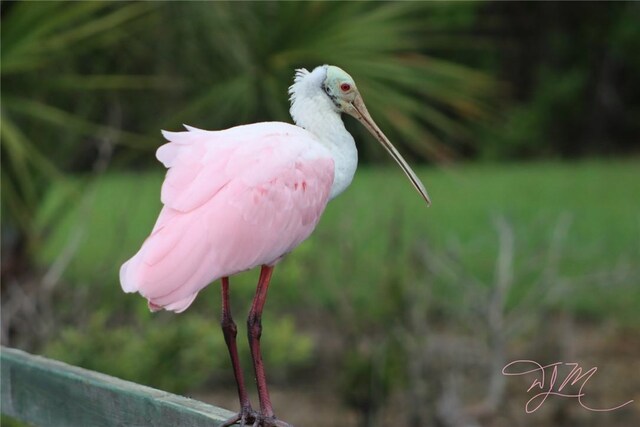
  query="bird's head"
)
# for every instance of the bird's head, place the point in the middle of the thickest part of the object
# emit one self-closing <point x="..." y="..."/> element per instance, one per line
<point x="343" y="92"/>
<point x="341" y="88"/>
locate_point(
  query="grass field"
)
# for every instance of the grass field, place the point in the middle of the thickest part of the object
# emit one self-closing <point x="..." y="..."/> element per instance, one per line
<point x="380" y="218"/>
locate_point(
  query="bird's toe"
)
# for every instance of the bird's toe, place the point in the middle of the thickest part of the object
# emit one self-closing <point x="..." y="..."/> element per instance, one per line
<point x="245" y="418"/>
<point x="231" y="421"/>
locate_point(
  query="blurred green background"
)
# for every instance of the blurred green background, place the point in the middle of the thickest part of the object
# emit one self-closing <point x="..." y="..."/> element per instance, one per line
<point x="523" y="120"/>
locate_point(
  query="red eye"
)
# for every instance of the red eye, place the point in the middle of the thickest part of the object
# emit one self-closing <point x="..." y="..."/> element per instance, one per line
<point x="345" y="87"/>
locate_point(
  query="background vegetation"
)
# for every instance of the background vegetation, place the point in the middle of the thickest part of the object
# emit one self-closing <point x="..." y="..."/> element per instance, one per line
<point x="522" y="118"/>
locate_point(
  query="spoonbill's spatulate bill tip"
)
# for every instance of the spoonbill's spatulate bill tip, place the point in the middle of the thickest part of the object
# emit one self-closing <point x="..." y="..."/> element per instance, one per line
<point x="245" y="197"/>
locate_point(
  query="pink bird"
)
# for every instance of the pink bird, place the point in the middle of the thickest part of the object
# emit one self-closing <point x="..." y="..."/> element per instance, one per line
<point x="245" y="197"/>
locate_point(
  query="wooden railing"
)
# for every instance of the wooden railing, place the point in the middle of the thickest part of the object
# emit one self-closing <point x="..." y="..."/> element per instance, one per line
<point x="45" y="392"/>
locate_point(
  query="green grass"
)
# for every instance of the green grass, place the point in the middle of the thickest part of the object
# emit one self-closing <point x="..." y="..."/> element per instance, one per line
<point x="599" y="198"/>
<point x="372" y="228"/>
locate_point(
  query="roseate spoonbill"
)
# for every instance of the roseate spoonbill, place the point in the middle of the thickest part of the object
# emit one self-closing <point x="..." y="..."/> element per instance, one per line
<point x="245" y="197"/>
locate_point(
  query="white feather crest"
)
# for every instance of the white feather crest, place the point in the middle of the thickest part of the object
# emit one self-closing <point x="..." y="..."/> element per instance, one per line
<point x="305" y="81"/>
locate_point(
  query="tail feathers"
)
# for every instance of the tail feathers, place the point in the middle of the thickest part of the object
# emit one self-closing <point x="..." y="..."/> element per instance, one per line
<point x="178" y="143"/>
<point x="130" y="285"/>
<point x="177" y="307"/>
<point x="193" y="128"/>
<point x="173" y="264"/>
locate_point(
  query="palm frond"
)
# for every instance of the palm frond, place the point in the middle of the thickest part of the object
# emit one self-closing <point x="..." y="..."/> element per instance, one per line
<point x="35" y="35"/>
<point x="46" y="37"/>
<point x="62" y="119"/>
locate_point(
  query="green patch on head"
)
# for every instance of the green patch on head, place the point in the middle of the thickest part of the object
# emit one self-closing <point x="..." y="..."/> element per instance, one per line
<point x="337" y="76"/>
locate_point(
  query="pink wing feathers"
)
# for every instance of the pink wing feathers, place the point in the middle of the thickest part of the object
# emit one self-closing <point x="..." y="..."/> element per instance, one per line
<point x="233" y="200"/>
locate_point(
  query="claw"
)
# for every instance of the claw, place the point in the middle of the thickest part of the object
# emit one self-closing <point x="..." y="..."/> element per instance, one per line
<point x="258" y="421"/>
<point x="231" y="421"/>
<point x="246" y="415"/>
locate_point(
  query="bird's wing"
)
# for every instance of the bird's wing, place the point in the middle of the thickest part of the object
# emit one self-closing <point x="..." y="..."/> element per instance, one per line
<point x="196" y="161"/>
<point x="233" y="200"/>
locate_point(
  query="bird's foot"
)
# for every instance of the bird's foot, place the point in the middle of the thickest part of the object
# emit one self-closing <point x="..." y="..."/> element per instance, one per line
<point x="247" y="417"/>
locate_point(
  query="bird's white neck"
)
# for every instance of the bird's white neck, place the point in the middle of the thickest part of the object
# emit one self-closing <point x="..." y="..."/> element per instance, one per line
<point x="314" y="111"/>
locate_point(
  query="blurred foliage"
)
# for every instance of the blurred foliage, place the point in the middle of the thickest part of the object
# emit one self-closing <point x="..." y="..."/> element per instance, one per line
<point x="147" y="354"/>
<point x="44" y="45"/>
<point x="368" y="374"/>
<point x="572" y="70"/>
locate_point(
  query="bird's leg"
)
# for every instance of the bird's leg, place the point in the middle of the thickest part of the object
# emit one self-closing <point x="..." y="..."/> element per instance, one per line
<point x="230" y="332"/>
<point x="254" y="329"/>
<point x="254" y="326"/>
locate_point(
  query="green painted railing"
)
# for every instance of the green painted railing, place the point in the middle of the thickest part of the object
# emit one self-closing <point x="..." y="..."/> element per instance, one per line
<point x="45" y="392"/>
